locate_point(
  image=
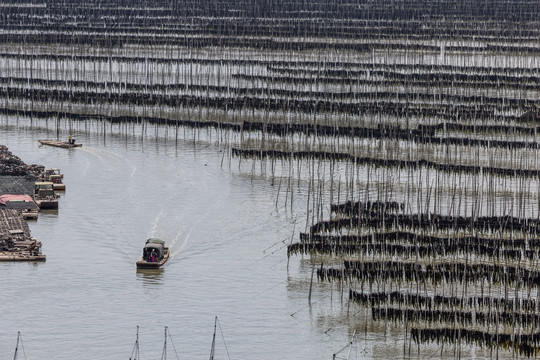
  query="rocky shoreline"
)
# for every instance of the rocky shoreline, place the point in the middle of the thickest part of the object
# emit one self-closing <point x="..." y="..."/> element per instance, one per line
<point x="12" y="165"/>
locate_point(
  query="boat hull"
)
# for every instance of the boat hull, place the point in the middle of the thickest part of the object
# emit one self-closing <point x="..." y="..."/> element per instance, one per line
<point x="30" y="214"/>
<point x="61" y="144"/>
<point x="59" y="187"/>
<point x="153" y="265"/>
<point x="47" y="204"/>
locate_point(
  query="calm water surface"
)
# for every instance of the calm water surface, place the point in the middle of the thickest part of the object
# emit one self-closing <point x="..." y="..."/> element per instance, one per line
<point x="228" y="241"/>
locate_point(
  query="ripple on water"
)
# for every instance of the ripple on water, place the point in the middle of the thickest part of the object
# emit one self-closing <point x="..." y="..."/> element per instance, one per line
<point x="226" y="237"/>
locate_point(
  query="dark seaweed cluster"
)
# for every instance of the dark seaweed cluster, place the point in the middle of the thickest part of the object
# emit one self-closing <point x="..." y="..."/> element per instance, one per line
<point x="408" y="251"/>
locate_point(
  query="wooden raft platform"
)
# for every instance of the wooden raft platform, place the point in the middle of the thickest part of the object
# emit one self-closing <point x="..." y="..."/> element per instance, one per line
<point x="19" y="185"/>
<point x="16" y="243"/>
<point x="21" y="256"/>
<point x="57" y="143"/>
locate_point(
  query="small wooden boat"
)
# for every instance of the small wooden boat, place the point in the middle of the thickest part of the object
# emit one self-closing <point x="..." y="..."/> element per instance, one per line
<point x="44" y="195"/>
<point x="54" y="176"/>
<point x="49" y="172"/>
<point x="61" y="144"/>
<point x="155" y="254"/>
<point x="58" y="185"/>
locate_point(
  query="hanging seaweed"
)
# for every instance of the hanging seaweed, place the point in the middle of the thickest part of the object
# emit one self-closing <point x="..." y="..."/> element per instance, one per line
<point x="526" y="345"/>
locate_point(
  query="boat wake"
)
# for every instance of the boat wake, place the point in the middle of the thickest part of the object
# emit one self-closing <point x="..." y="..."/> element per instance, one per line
<point x="111" y="158"/>
<point x="178" y="245"/>
<point x="183" y="236"/>
<point x="176" y="249"/>
<point x="155" y="224"/>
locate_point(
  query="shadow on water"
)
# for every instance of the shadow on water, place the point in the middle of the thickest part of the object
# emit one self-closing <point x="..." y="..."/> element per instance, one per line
<point x="150" y="276"/>
<point x="49" y="211"/>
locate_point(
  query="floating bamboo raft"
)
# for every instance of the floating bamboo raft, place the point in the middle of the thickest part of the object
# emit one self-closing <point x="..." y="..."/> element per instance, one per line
<point x="57" y="143"/>
<point x="16" y="243"/>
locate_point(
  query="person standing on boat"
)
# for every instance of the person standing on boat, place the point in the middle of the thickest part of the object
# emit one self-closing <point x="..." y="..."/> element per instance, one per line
<point x="70" y="139"/>
<point x="153" y="255"/>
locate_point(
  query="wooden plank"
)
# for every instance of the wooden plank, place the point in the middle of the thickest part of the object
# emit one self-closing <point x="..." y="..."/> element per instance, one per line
<point x="19" y="256"/>
<point x="16" y="243"/>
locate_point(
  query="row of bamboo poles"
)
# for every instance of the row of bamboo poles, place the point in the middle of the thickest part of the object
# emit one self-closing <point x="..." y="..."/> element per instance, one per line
<point x="435" y="275"/>
<point x="405" y="133"/>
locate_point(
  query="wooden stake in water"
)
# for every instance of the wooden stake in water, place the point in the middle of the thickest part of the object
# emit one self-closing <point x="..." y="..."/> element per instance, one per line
<point x="19" y="340"/>
<point x="135" y="351"/>
<point x="212" y="349"/>
<point x="164" y="353"/>
<point x="311" y="283"/>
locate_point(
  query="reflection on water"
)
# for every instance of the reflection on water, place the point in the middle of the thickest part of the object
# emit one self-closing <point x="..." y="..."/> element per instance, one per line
<point x="150" y="276"/>
<point x="48" y="212"/>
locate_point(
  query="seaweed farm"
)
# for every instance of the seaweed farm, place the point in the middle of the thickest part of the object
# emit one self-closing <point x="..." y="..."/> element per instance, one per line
<point x="398" y="140"/>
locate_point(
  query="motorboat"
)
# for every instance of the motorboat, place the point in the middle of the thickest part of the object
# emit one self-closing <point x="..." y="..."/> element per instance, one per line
<point x="155" y="254"/>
